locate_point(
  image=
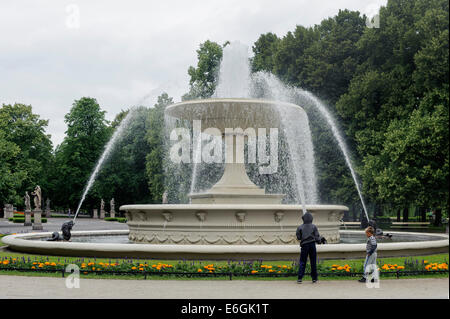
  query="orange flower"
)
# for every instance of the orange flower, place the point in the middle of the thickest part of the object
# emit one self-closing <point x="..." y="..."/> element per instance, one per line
<point x="254" y="271"/>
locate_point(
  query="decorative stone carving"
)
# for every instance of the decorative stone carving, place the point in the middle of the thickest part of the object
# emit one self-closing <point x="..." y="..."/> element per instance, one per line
<point x="278" y="216"/>
<point x="240" y="216"/>
<point x="335" y="216"/>
<point x="201" y="215"/>
<point x="167" y="216"/>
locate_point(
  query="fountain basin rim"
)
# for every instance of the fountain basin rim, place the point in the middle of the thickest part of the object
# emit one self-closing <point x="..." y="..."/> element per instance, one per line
<point x="247" y="207"/>
<point x="21" y="242"/>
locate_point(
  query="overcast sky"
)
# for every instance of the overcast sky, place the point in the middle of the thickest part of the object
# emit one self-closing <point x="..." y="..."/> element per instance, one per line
<point x="128" y="52"/>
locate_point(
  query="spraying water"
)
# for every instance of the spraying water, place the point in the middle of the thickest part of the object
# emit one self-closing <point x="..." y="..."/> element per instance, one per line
<point x="234" y="74"/>
<point x="107" y="151"/>
<point x="272" y="86"/>
<point x="339" y="139"/>
<point x="235" y="80"/>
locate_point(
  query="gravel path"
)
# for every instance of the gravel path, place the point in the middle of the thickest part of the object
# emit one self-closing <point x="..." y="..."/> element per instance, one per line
<point x="47" y="287"/>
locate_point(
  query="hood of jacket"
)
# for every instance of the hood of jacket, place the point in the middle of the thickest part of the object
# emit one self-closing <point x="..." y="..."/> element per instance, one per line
<point x="307" y="218"/>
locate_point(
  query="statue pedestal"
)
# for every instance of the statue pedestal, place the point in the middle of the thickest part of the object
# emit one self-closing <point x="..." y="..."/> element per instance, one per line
<point x="37" y="225"/>
<point x="8" y="211"/>
<point x="112" y="214"/>
<point x="27" y="218"/>
<point x="95" y="214"/>
<point x="102" y="214"/>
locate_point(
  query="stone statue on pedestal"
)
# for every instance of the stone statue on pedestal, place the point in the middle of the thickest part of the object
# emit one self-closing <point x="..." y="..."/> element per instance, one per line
<point x="27" y="220"/>
<point x="27" y="202"/>
<point x="112" y="212"/>
<point x="165" y="196"/>
<point x="37" y="198"/>
<point x="102" y="209"/>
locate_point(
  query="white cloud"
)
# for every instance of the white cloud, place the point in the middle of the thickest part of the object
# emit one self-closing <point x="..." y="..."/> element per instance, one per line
<point x="124" y="51"/>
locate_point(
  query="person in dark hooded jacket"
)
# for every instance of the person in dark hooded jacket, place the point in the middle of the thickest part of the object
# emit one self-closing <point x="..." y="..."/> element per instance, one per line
<point x="308" y="235"/>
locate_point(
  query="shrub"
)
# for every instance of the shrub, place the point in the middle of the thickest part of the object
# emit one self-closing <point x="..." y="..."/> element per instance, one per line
<point x="116" y="219"/>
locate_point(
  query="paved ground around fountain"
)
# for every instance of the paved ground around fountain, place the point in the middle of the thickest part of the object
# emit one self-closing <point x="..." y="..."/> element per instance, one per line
<point x="54" y="224"/>
<point x="46" y="287"/>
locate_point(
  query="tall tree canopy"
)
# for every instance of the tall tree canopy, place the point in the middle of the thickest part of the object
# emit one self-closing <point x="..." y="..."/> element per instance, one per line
<point x="26" y="153"/>
<point x="86" y="136"/>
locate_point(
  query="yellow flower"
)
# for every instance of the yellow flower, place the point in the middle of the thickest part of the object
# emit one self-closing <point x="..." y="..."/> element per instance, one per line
<point x="141" y="269"/>
<point x="199" y="270"/>
<point x="133" y="268"/>
<point x="33" y="267"/>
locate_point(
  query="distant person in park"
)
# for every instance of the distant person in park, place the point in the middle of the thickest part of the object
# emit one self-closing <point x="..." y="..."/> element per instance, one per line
<point x="308" y="235"/>
<point x="371" y="253"/>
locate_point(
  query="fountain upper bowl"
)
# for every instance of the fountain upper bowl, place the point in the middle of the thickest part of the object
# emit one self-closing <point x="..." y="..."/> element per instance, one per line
<point x="231" y="112"/>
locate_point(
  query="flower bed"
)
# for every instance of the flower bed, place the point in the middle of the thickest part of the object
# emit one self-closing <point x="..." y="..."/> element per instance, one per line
<point x="129" y="266"/>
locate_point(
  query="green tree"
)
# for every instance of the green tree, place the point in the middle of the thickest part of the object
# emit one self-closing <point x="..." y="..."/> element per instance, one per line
<point x="204" y="77"/>
<point x="27" y="152"/>
<point x="122" y="176"/>
<point x="86" y="135"/>
<point x="155" y="139"/>
<point x="264" y="49"/>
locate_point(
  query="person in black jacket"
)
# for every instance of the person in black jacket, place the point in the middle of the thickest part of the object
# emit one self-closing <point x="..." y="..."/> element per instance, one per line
<point x="308" y="235"/>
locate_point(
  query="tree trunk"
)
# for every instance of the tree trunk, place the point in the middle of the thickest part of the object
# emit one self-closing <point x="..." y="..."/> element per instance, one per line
<point x="423" y="214"/>
<point x="405" y="214"/>
<point x="398" y="215"/>
<point x="438" y="217"/>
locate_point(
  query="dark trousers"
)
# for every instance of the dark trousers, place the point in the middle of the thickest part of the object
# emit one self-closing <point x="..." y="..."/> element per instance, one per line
<point x="308" y="249"/>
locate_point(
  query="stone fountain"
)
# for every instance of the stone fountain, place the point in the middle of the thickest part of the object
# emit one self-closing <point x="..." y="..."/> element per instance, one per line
<point x="234" y="211"/>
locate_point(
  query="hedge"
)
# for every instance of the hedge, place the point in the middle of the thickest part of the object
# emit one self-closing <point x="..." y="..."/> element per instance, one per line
<point x="19" y="220"/>
<point x="116" y="219"/>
